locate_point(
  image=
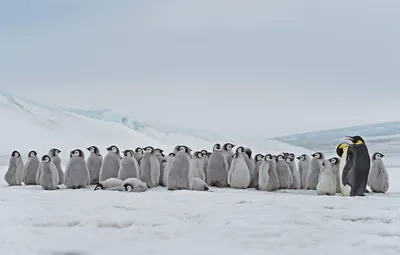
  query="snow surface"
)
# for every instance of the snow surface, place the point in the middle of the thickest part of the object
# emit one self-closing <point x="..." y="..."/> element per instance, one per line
<point x="223" y="221"/>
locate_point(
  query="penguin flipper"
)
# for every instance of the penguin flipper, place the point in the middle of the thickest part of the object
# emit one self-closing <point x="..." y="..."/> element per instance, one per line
<point x="347" y="168"/>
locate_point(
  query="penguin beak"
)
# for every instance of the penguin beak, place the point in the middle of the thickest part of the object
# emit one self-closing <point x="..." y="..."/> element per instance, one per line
<point x="298" y="158"/>
<point x="349" y="138"/>
<point x="233" y="145"/>
<point x="88" y="149"/>
<point x="313" y="154"/>
<point x="382" y="155"/>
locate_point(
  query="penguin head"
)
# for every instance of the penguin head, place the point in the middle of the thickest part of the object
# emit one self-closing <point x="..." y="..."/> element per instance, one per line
<point x="340" y="148"/>
<point x="78" y="153"/>
<point x="198" y="154"/>
<point x="377" y="155"/>
<point x="54" y="152"/>
<point x="280" y="158"/>
<point x="128" y="187"/>
<point x="228" y="146"/>
<point x="149" y="149"/>
<point x="240" y="149"/>
<point x="248" y="151"/>
<point x="268" y="157"/>
<point x="288" y="159"/>
<point x="114" y="149"/>
<point x="204" y="152"/>
<point x="93" y="149"/>
<point x="171" y="155"/>
<point x="46" y="158"/>
<point x="291" y="155"/>
<point x="317" y="155"/>
<point x="32" y="154"/>
<point x="185" y="149"/>
<point x="355" y="139"/>
<point x="99" y="187"/>
<point x="334" y="160"/>
<point x="163" y="162"/>
<point x="127" y="153"/>
<point x="259" y="157"/>
<point x="139" y="150"/>
<point x="15" y="154"/>
<point x="217" y="147"/>
<point x="302" y="157"/>
<point x="159" y="151"/>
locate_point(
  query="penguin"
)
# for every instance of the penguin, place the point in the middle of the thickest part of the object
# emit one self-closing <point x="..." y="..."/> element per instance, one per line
<point x="49" y="177"/>
<point x="94" y="163"/>
<point x="268" y="179"/>
<point x="335" y="161"/>
<point x="295" y="173"/>
<point x="77" y="174"/>
<point x="134" y="185"/>
<point x="378" y="178"/>
<point x="167" y="167"/>
<point x="180" y="176"/>
<point x="110" y="184"/>
<point x="149" y="170"/>
<point x="304" y="166"/>
<point x="341" y="151"/>
<point x="199" y="185"/>
<point x="110" y="166"/>
<point x="327" y="180"/>
<point x="239" y="174"/>
<point x="315" y="170"/>
<point x="217" y="170"/>
<point x="283" y="171"/>
<point x="129" y="167"/>
<point x="31" y="168"/>
<point x="205" y="159"/>
<point x="291" y="155"/>
<point x="160" y="157"/>
<point x="15" y="172"/>
<point x="198" y="163"/>
<point x="246" y="158"/>
<point x="258" y="160"/>
<point x="228" y="152"/>
<point x="138" y="154"/>
<point x="253" y="182"/>
<point x="53" y="153"/>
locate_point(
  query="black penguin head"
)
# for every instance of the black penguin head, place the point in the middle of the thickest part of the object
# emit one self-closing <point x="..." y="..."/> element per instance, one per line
<point x="259" y="157"/>
<point x="139" y="150"/>
<point x="317" y="155"/>
<point x="240" y="149"/>
<point x="198" y="154"/>
<point x="99" y="187"/>
<point x="163" y="162"/>
<point x="340" y="148"/>
<point x="268" y="157"/>
<point x="302" y="157"/>
<point x="32" y="154"/>
<point x="204" y="152"/>
<point x="334" y="160"/>
<point x="114" y="149"/>
<point x="377" y="155"/>
<point x="159" y="151"/>
<point x="280" y="158"/>
<point x="185" y="149"/>
<point x="248" y="152"/>
<point x="288" y="159"/>
<point x="128" y="187"/>
<point x="149" y="149"/>
<point x="93" y="149"/>
<point x="228" y="146"/>
<point x="291" y="155"/>
<point x="77" y="153"/>
<point x="355" y="139"/>
<point x="128" y="153"/>
<point x="54" y="152"/>
<point x="217" y="147"/>
<point x="171" y="155"/>
<point x="46" y="158"/>
<point x="15" y="154"/>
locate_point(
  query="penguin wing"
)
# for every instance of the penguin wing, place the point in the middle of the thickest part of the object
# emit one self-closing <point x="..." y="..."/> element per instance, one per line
<point x="348" y="167"/>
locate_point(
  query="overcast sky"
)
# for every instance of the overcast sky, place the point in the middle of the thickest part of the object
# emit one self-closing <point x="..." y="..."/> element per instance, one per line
<point x="277" y="67"/>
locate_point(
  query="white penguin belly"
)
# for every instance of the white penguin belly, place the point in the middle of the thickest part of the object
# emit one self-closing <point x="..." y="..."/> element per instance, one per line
<point x="239" y="174"/>
<point x="344" y="189"/>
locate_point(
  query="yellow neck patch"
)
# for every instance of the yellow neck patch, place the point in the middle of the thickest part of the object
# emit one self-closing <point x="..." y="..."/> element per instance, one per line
<point x="359" y="142"/>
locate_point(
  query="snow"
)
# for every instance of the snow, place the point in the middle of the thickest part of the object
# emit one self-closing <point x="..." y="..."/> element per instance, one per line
<point x="223" y="221"/>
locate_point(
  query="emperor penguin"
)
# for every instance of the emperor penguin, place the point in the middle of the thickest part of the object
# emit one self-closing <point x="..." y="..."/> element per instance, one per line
<point x="15" y="172"/>
<point x="258" y="160"/>
<point x="129" y="167"/>
<point x="110" y="166"/>
<point x="378" y="177"/>
<point x="94" y="163"/>
<point x="77" y="174"/>
<point x="198" y="165"/>
<point x="228" y="152"/>
<point x="239" y="174"/>
<point x="205" y="159"/>
<point x="327" y="180"/>
<point x="335" y="161"/>
<point x="138" y="154"/>
<point x="53" y="153"/>
<point x="304" y="166"/>
<point x="283" y="171"/>
<point x="160" y="157"/>
<point x="199" y="185"/>
<point x="295" y="173"/>
<point x="134" y="185"/>
<point x="217" y="170"/>
<point x="246" y="158"/>
<point x="268" y="179"/>
<point x="253" y="182"/>
<point x="149" y="170"/>
<point x="180" y="176"/>
<point x="49" y="177"/>
<point x="167" y="167"/>
<point x="110" y="184"/>
<point x="31" y="168"/>
<point x="315" y="170"/>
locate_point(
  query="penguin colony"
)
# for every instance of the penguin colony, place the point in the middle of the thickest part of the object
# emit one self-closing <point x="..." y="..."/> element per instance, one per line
<point x="145" y="168"/>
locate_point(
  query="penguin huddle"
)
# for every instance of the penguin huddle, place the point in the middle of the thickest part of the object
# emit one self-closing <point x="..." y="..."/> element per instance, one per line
<point x="145" y="168"/>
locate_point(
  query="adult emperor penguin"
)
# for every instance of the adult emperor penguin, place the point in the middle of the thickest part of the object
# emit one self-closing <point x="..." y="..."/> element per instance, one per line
<point x="53" y="153"/>
<point x="335" y="161"/>
<point x="198" y="165"/>
<point x="134" y="185"/>
<point x="294" y="171"/>
<point x="217" y="171"/>
<point x="94" y="163"/>
<point x="268" y="179"/>
<point x="49" y="177"/>
<point x="180" y="175"/>
<point x="304" y="166"/>
<point x="327" y="180"/>
<point x="167" y="167"/>
<point x="258" y="160"/>
<point x="138" y="154"/>
<point x="77" y="174"/>
<point x="110" y="184"/>
<point x="31" y="168"/>
<point x="283" y="171"/>
<point x="129" y="167"/>
<point x="149" y="170"/>
<point x="228" y="152"/>
<point x="15" y="172"/>
<point x="199" y="185"/>
<point x="110" y="166"/>
<point x="378" y="178"/>
<point x="239" y="175"/>
<point x="315" y="169"/>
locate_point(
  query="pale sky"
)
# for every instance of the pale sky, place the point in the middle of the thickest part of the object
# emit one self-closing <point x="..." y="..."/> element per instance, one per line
<point x="276" y="67"/>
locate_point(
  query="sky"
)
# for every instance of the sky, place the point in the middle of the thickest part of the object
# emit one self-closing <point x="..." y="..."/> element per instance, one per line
<point x="255" y="66"/>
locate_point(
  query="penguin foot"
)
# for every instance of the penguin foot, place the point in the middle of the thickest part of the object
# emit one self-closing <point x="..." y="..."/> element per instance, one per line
<point x="58" y="188"/>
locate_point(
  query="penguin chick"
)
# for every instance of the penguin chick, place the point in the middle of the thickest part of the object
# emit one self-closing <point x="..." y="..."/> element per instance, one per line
<point x="55" y="158"/>
<point x="239" y="174"/>
<point x="110" y="184"/>
<point x="283" y="171"/>
<point x="111" y="163"/>
<point x="49" y="177"/>
<point x="378" y="178"/>
<point x="258" y="160"/>
<point x="246" y="158"/>
<point x="268" y="179"/>
<point x="129" y="167"/>
<point x="94" y="163"/>
<point x="198" y="163"/>
<point x="335" y="162"/>
<point x="253" y="182"/>
<point x="304" y="166"/>
<point x="138" y="154"/>
<point x="217" y="170"/>
<point x="134" y="185"/>
<point x="205" y="159"/>
<point x="77" y="174"/>
<point x="15" y="172"/>
<point x="31" y="168"/>
<point x="167" y="167"/>
<point x="228" y="152"/>
<point x="315" y="170"/>
<point x="199" y="185"/>
<point x="295" y="173"/>
<point x="149" y="170"/>
<point x="327" y="180"/>
<point x="180" y="176"/>
<point x="160" y="157"/>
